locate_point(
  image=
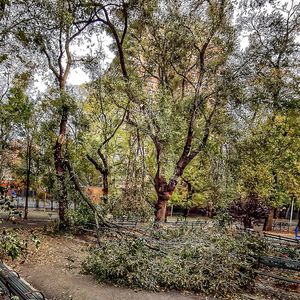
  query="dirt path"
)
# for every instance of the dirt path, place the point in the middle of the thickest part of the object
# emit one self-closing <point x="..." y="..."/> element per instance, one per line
<point x="55" y="270"/>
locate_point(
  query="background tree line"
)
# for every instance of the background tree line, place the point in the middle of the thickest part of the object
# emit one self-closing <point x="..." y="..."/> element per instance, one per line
<point x="183" y="113"/>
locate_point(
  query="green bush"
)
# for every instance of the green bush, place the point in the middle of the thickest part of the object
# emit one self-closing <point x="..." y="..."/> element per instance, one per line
<point x="12" y="245"/>
<point x="126" y="207"/>
<point x="286" y="251"/>
<point x="81" y="217"/>
<point x="210" y="263"/>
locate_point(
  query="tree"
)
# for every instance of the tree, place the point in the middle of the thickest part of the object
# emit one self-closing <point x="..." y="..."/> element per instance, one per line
<point x="110" y="122"/>
<point x="54" y="38"/>
<point x="183" y="98"/>
<point x="269" y="163"/>
<point x="271" y="76"/>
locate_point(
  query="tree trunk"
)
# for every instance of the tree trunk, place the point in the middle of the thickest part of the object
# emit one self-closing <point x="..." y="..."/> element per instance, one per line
<point x="62" y="202"/>
<point x="105" y="187"/>
<point x="247" y="222"/>
<point x="28" y="172"/>
<point x="268" y="225"/>
<point x="209" y="209"/>
<point x="276" y="212"/>
<point x="59" y="165"/>
<point x="161" y="208"/>
<point x="287" y="212"/>
<point x="103" y="169"/>
<point x="37" y="203"/>
<point x="164" y="192"/>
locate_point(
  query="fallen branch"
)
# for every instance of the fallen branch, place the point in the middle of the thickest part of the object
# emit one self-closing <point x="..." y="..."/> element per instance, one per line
<point x="85" y="198"/>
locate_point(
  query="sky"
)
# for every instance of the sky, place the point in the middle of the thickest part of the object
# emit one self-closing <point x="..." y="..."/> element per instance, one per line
<point x="78" y="76"/>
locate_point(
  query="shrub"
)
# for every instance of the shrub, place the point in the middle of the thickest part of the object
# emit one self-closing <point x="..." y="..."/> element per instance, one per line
<point x="81" y="217"/>
<point x="211" y="263"/>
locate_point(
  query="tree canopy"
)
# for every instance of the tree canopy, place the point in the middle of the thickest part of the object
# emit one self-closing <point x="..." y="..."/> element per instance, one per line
<point x="183" y="112"/>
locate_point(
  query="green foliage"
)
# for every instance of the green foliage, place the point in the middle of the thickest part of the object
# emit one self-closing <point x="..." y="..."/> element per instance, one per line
<point x="187" y="57"/>
<point x="286" y="251"/>
<point x="269" y="160"/>
<point x="13" y="246"/>
<point x="223" y="217"/>
<point x="212" y="263"/>
<point x="81" y="217"/>
<point x="10" y="245"/>
<point x="132" y="208"/>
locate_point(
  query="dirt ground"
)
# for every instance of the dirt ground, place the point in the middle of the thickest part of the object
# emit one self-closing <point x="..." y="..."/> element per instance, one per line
<point x="54" y="269"/>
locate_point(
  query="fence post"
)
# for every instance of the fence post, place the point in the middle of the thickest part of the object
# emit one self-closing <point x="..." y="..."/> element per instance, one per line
<point x="291" y="216"/>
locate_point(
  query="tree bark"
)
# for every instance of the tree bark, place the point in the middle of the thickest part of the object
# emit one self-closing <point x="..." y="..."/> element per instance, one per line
<point x="247" y="222"/>
<point x="28" y="172"/>
<point x="209" y="209"/>
<point x="59" y="165"/>
<point x="160" y="209"/>
<point x="103" y="169"/>
<point x="268" y="225"/>
<point x="164" y="193"/>
<point x="105" y="187"/>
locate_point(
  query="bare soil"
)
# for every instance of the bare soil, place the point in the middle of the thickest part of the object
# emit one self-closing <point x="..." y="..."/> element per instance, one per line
<point x="55" y="269"/>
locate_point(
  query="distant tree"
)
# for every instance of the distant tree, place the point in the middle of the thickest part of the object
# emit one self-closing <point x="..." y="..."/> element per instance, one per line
<point x="271" y="77"/>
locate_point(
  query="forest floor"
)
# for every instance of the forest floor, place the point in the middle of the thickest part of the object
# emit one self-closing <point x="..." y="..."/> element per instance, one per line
<point x="55" y="269"/>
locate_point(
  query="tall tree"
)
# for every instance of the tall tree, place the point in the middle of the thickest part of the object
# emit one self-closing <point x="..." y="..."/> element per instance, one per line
<point x="184" y="93"/>
<point x="271" y="76"/>
<point x="54" y="37"/>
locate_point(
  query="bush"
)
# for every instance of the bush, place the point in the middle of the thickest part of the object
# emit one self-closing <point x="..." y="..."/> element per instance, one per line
<point x="81" y="217"/>
<point x="12" y="245"/>
<point x="131" y="208"/>
<point x="210" y="263"/>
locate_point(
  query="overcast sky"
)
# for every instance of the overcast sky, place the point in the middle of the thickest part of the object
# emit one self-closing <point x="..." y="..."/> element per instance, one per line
<point x="79" y="76"/>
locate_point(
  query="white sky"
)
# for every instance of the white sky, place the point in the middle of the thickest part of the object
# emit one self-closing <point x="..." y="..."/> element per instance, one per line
<point x="79" y="76"/>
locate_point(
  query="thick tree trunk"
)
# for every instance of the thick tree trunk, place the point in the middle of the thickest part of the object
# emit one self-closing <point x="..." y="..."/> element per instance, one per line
<point x="161" y="208"/>
<point x="59" y="165"/>
<point x="164" y="193"/>
<point x="268" y="225"/>
<point x="62" y="202"/>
